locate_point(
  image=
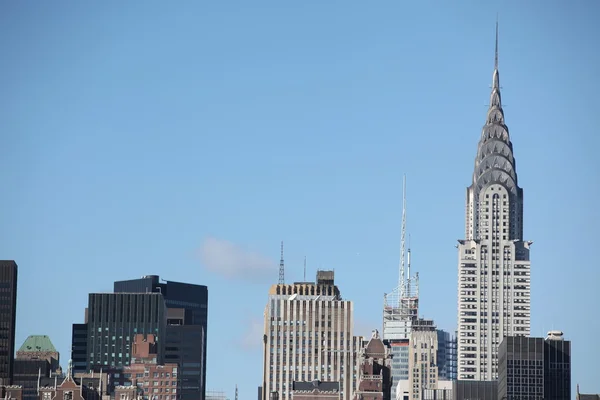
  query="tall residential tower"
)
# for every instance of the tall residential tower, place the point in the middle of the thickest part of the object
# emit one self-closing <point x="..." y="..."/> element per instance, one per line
<point x="493" y="265"/>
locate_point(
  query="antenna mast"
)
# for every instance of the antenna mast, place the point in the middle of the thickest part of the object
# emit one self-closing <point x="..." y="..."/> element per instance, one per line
<point x="281" y="267"/>
<point x="304" y="268"/>
<point x="408" y="268"/>
<point x="402" y="282"/>
<point x="236" y="390"/>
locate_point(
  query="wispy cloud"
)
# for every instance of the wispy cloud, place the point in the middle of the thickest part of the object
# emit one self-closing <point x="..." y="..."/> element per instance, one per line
<point x="252" y="335"/>
<point x="234" y="262"/>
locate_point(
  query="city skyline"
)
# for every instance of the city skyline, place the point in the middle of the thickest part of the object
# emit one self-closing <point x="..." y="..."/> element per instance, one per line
<point x="247" y="138"/>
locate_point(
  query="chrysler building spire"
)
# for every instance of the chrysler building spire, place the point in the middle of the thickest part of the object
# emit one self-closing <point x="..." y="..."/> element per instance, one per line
<point x="495" y="163"/>
<point x="494" y="281"/>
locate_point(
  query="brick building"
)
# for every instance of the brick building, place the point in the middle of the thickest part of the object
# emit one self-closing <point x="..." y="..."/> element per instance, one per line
<point x="39" y="347"/>
<point x="12" y="392"/>
<point x="144" y="377"/>
<point x="375" y="380"/>
<point x="316" y="390"/>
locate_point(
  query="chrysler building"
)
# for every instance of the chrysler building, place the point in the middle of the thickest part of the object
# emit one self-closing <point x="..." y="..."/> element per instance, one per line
<point x="493" y="259"/>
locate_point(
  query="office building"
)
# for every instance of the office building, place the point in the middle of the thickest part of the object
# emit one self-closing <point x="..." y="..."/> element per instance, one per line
<point x="423" y="364"/>
<point x="26" y="374"/>
<point x="113" y="321"/>
<point x="470" y="390"/>
<point x="79" y="353"/>
<point x="375" y="378"/>
<point x="446" y="356"/>
<point x="308" y="336"/>
<point x="39" y="347"/>
<point x="8" y="315"/>
<point x="494" y="267"/>
<point x="535" y="368"/>
<point x="187" y="324"/>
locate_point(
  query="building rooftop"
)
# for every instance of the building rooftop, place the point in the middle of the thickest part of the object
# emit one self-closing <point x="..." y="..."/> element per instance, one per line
<point x="316" y="385"/>
<point x="35" y="343"/>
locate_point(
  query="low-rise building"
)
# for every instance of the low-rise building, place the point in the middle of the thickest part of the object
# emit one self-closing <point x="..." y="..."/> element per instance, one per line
<point x="11" y="392"/>
<point x="375" y="367"/>
<point x="316" y="390"/>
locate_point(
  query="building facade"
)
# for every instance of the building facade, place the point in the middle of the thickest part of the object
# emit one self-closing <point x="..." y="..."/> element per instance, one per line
<point x="26" y="373"/>
<point x="113" y="321"/>
<point x="11" y="392"/>
<point x="153" y="381"/>
<point x="535" y="368"/>
<point x="494" y="267"/>
<point x="309" y="336"/>
<point x="39" y="347"/>
<point x="471" y="390"/>
<point x="69" y="387"/>
<point x="187" y="324"/>
<point x="8" y="316"/>
<point x="79" y="353"/>
<point x="400" y="312"/>
<point x="316" y="390"/>
<point x="375" y="376"/>
<point x="424" y="361"/>
<point x="446" y="356"/>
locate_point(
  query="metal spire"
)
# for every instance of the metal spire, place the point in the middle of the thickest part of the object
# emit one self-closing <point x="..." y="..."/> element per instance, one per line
<point x="496" y="58"/>
<point x="402" y="282"/>
<point x="281" y="267"/>
<point x="304" y="268"/>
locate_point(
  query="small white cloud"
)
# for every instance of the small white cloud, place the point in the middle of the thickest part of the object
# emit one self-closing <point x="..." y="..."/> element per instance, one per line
<point x="233" y="262"/>
<point x="252" y="336"/>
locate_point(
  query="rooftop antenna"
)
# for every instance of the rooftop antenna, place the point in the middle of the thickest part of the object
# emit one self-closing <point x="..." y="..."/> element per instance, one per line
<point x="236" y="389"/>
<point x="281" y="267"/>
<point x="304" y="268"/>
<point x="401" y="284"/>
<point x="496" y="57"/>
<point x="408" y="267"/>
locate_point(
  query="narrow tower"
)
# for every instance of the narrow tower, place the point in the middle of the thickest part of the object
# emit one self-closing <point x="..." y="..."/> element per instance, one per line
<point x="400" y="308"/>
<point x="493" y="280"/>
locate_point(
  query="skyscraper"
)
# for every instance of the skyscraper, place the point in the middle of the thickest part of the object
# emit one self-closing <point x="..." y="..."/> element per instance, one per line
<point x="113" y="321"/>
<point x="187" y="322"/>
<point x="446" y="356"/>
<point x="400" y="310"/>
<point x="534" y="368"/>
<point x="309" y="336"/>
<point x="493" y="278"/>
<point x="8" y="316"/>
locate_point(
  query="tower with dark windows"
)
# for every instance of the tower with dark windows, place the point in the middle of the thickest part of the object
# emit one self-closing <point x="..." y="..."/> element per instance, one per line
<point x="494" y="267"/>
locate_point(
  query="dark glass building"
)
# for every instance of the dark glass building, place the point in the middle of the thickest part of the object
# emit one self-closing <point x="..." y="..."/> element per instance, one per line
<point x="471" y="390"/>
<point x="79" y="348"/>
<point x="534" y="368"/>
<point x="8" y="315"/>
<point x="26" y="374"/>
<point x="187" y="321"/>
<point x="113" y="321"/>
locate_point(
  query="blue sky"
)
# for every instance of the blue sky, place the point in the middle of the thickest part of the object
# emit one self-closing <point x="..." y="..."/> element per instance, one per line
<point x="188" y="139"/>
